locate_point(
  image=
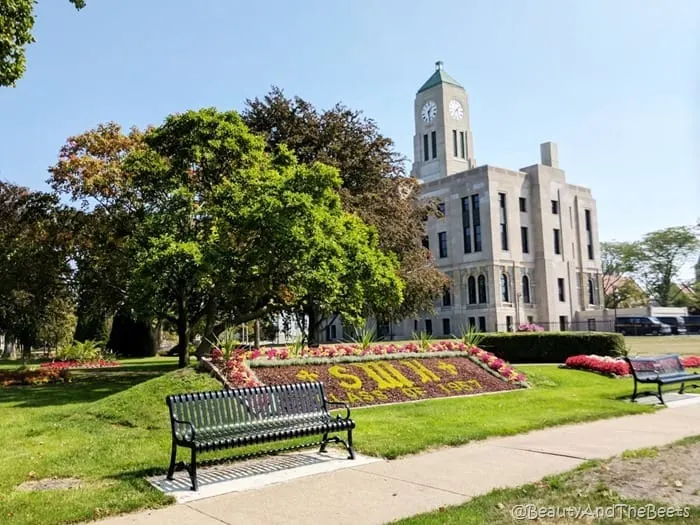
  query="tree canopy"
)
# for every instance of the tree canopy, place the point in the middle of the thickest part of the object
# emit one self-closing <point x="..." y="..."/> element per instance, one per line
<point x="16" y="24"/>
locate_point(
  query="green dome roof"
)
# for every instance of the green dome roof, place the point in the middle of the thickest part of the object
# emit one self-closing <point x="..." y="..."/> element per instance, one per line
<point x="439" y="77"/>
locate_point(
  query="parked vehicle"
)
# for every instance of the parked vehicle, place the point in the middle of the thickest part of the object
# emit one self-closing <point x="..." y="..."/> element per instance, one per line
<point x="677" y="324"/>
<point x="692" y="324"/>
<point x="641" y="326"/>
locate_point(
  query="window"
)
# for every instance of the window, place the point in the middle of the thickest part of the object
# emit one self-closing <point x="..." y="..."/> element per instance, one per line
<point x="509" y="323"/>
<point x="446" y="327"/>
<point x="476" y="222"/>
<point x="415" y="325"/>
<point x="563" y="323"/>
<point x="471" y="289"/>
<point x="557" y="241"/>
<point x="383" y="329"/>
<point x="503" y="221"/>
<point x="433" y="141"/>
<point x="446" y="297"/>
<point x="472" y="322"/>
<point x="442" y="241"/>
<point x="426" y="151"/>
<point x="454" y="142"/>
<point x="591" y="325"/>
<point x="429" y="326"/>
<point x="461" y="144"/>
<point x="426" y="242"/>
<point x="482" y="289"/>
<point x="466" y="226"/>
<point x="482" y="324"/>
<point x="523" y="239"/>
<point x="589" y="234"/>
<point x="331" y="332"/>
<point x="505" y="293"/>
<point x="526" y="289"/>
<point x="441" y="208"/>
<point x="555" y="207"/>
<point x="523" y="204"/>
<point x="560" y="288"/>
<point x="591" y="292"/>
<point x="530" y="319"/>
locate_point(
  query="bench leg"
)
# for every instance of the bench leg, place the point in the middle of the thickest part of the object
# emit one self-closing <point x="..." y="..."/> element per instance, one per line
<point x="350" y="450"/>
<point x="324" y="443"/>
<point x="660" y="396"/>
<point x="682" y="388"/>
<point x="173" y="456"/>
<point x="634" y="394"/>
<point x="193" y="469"/>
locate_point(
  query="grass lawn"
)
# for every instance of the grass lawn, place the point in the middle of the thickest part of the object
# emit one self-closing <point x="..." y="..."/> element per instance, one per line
<point x="656" y="345"/>
<point x="110" y="428"/>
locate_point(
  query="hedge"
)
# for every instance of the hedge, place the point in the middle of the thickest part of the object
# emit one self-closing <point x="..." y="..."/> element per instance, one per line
<point x="552" y="347"/>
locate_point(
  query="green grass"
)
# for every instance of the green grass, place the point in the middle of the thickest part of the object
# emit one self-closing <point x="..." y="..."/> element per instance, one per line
<point x="656" y="345"/>
<point x="562" y="491"/>
<point x="110" y="428"/>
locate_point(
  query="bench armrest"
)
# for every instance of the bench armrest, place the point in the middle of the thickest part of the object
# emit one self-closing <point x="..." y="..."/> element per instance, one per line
<point x="345" y="405"/>
<point x="188" y="423"/>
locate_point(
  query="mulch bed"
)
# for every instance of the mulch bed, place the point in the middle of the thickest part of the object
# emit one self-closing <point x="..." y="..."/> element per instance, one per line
<point x="390" y="381"/>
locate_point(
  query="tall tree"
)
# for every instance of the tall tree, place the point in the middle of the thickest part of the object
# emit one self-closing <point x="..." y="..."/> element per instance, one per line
<point x="373" y="184"/>
<point x="664" y="252"/>
<point x="619" y="261"/>
<point x="16" y="24"/>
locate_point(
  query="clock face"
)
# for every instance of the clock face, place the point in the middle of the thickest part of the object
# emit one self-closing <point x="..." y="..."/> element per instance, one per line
<point x="456" y="110"/>
<point x="429" y="111"/>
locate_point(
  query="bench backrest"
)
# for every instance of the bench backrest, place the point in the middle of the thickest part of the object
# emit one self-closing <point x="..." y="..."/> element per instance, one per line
<point x="643" y="367"/>
<point x="245" y="406"/>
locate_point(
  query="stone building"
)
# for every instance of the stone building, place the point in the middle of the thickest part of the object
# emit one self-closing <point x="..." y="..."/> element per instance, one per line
<point x="519" y="245"/>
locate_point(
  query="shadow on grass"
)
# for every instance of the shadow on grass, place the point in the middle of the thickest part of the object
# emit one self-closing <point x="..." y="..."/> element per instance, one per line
<point x="86" y="386"/>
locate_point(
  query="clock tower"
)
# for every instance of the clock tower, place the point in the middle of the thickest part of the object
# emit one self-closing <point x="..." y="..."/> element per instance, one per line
<point x="442" y="144"/>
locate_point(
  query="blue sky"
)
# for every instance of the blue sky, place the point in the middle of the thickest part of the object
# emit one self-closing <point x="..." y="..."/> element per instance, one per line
<point x="615" y="83"/>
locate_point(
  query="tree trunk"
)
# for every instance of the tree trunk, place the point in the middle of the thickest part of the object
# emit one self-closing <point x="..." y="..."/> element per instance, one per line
<point x="257" y="333"/>
<point x="209" y="330"/>
<point x="311" y="313"/>
<point x="26" y="352"/>
<point x="183" y="336"/>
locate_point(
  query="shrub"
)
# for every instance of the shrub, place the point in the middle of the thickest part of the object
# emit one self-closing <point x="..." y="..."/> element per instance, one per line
<point x="33" y="376"/>
<point x="604" y="365"/>
<point x="80" y="351"/>
<point x="552" y="347"/>
<point x="529" y="327"/>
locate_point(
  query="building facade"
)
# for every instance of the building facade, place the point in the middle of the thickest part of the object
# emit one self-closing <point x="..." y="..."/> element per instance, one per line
<point x="519" y="246"/>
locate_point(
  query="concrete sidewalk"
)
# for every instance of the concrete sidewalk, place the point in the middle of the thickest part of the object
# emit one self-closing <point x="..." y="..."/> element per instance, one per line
<point x="387" y="490"/>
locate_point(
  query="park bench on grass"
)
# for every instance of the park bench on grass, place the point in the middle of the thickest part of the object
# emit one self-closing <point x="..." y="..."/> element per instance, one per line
<point x="661" y="370"/>
<point x="204" y="421"/>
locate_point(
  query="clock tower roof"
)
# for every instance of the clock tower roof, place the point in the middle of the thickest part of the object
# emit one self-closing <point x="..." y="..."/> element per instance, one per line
<point x="439" y="77"/>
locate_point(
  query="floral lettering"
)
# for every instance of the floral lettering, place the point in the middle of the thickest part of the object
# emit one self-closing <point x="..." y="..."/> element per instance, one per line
<point x="351" y="382"/>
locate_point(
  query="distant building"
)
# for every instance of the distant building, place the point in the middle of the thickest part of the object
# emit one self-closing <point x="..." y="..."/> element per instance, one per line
<point x="519" y="245"/>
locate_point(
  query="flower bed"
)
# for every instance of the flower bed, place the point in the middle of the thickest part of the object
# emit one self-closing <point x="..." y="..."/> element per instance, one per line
<point x="375" y="374"/>
<point x="60" y="365"/>
<point x="615" y="367"/>
<point x="33" y="376"/>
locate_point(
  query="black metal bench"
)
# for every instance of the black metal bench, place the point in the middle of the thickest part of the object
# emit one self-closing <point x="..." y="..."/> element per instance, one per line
<point x="661" y="370"/>
<point x="205" y="421"/>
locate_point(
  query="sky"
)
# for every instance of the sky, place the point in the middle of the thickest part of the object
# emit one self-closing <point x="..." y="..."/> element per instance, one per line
<point x="615" y="83"/>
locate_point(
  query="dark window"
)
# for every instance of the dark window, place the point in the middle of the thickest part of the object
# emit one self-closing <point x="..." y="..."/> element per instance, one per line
<point x="446" y="327"/>
<point x="563" y="323"/>
<point x="505" y="293"/>
<point x="589" y="234"/>
<point x="530" y="319"/>
<point x="331" y="332"/>
<point x="383" y="329"/>
<point x="426" y="151"/>
<point x="557" y="241"/>
<point x="426" y="242"/>
<point x="471" y="289"/>
<point x="454" y="141"/>
<point x="446" y="297"/>
<point x="560" y="288"/>
<point x="472" y="322"/>
<point x="482" y="289"/>
<point x="461" y="144"/>
<point x="433" y="141"/>
<point x="482" y="324"/>
<point x="591" y="292"/>
<point x="442" y="242"/>
<point x="555" y="207"/>
<point x="476" y="222"/>
<point x="509" y="323"/>
<point x="503" y="221"/>
<point x="526" y="289"/>
<point x="441" y="208"/>
<point x="466" y="226"/>
<point x="523" y="204"/>
<point x="415" y="325"/>
<point x="591" y="325"/>
<point x="523" y="239"/>
<point x="429" y="326"/>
